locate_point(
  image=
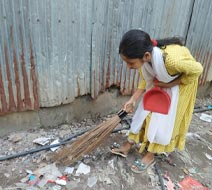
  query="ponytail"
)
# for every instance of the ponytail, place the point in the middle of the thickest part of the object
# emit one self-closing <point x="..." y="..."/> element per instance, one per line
<point x="169" y="41"/>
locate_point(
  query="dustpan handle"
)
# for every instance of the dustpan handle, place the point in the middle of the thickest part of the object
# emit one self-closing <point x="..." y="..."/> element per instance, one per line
<point x="156" y="80"/>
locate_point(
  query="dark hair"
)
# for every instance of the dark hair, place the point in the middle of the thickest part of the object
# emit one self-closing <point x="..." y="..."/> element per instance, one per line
<point x="169" y="41"/>
<point x="135" y="43"/>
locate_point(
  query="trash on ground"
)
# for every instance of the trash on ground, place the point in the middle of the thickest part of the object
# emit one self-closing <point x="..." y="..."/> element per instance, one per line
<point x="111" y="163"/>
<point x="169" y="184"/>
<point x="92" y="181"/>
<point x="50" y="173"/>
<point x="208" y="156"/>
<point x="55" y="148"/>
<point x="83" y="169"/>
<point x="56" y="187"/>
<point x="33" y="180"/>
<point x="191" y="184"/>
<point x="69" y="170"/>
<point x="42" y="141"/>
<point x="61" y="180"/>
<point x="206" y="117"/>
<point x="192" y="170"/>
<point x="185" y="171"/>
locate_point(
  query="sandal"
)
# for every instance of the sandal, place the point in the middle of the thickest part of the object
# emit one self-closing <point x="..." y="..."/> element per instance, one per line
<point x="119" y="153"/>
<point x="140" y="167"/>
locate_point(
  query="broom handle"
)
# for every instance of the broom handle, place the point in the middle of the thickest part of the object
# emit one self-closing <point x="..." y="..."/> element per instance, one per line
<point x="123" y="113"/>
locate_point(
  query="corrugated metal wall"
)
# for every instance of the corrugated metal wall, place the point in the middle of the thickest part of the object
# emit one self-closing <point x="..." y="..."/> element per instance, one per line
<point x="112" y="18"/>
<point x="199" y="38"/>
<point x="18" y="77"/>
<point x="52" y="51"/>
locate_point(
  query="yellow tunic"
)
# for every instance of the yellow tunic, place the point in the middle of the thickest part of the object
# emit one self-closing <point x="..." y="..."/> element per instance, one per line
<point x="178" y="60"/>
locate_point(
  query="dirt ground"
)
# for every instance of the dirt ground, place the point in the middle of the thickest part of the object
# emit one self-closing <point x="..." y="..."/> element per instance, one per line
<point x="107" y="171"/>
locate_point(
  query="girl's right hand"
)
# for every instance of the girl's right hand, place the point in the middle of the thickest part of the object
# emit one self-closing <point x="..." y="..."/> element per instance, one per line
<point x="129" y="106"/>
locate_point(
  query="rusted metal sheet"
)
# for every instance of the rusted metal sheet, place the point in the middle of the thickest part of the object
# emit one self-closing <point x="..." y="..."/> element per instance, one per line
<point x="199" y="39"/>
<point x="14" y="100"/>
<point x="18" y="77"/>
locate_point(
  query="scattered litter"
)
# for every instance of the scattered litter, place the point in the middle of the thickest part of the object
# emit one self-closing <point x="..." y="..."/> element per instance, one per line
<point x="49" y="169"/>
<point x="29" y="172"/>
<point x="47" y="174"/>
<point x="55" y="148"/>
<point x="193" y="135"/>
<point x="185" y="171"/>
<point x="191" y="184"/>
<point x="208" y="156"/>
<point x="42" y="141"/>
<point x="111" y="163"/>
<point x="83" y="169"/>
<point x="69" y="170"/>
<point x="56" y="187"/>
<point x="33" y="180"/>
<point x="192" y="170"/>
<point x="206" y="117"/>
<point x="92" y="181"/>
<point x="25" y="179"/>
<point x="61" y="180"/>
<point x="169" y="184"/>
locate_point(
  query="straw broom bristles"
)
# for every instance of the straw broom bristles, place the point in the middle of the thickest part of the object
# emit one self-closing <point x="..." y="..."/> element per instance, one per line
<point x="88" y="141"/>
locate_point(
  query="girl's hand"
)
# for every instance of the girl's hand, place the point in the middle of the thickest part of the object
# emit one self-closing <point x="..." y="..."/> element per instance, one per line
<point x="162" y="84"/>
<point x="175" y="82"/>
<point x="129" y="106"/>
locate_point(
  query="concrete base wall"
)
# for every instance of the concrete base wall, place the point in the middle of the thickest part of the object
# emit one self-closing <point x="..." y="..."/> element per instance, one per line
<point x="206" y="90"/>
<point x="83" y="107"/>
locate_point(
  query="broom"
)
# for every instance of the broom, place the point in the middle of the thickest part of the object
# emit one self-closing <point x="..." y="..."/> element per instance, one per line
<point x="88" y="141"/>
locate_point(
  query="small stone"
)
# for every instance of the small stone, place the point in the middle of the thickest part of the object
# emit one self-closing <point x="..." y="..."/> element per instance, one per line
<point x="15" y="138"/>
<point x="7" y="175"/>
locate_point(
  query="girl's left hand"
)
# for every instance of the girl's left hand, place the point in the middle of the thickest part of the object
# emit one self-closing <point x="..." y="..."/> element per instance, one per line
<point x="161" y="84"/>
<point x="175" y="82"/>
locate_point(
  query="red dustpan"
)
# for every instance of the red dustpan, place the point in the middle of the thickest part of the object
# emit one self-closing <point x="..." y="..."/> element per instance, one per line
<point x="157" y="100"/>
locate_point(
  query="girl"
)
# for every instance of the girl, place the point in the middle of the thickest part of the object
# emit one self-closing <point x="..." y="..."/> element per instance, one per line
<point x="177" y="73"/>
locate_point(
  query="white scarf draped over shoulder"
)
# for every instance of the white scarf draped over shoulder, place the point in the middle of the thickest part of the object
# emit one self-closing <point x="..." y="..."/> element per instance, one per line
<point x="161" y="125"/>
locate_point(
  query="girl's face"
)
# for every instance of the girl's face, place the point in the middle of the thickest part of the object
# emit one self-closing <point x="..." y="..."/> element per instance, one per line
<point x="136" y="63"/>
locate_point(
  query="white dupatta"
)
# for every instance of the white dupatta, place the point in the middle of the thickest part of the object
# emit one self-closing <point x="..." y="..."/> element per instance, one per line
<point x="161" y="126"/>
